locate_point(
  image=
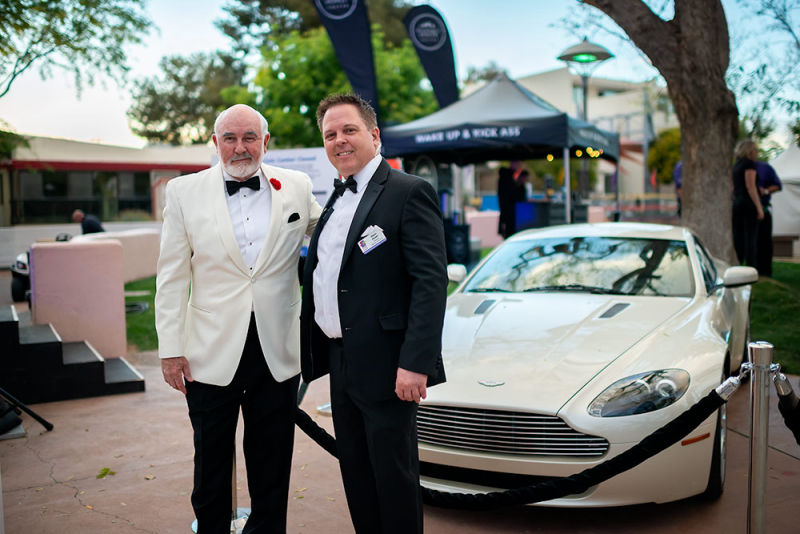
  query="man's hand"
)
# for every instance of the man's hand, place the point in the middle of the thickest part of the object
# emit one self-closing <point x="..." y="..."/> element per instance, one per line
<point x="410" y="386"/>
<point x="175" y="371"/>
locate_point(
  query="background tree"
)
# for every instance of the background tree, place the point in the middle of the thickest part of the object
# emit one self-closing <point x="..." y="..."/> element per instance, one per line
<point x="764" y="76"/>
<point x="9" y="141"/>
<point x="664" y="153"/>
<point x="795" y="129"/>
<point x="179" y="106"/>
<point x="487" y="73"/>
<point x="764" y="38"/>
<point x="85" y="37"/>
<point x="300" y="70"/>
<point x="161" y="114"/>
<point x="252" y="24"/>
<point x="691" y="51"/>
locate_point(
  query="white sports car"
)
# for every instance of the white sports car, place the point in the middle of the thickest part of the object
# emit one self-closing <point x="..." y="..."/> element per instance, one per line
<point x="567" y="345"/>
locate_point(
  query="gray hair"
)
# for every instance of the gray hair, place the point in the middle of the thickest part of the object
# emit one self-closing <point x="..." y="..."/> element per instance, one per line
<point x="221" y="116"/>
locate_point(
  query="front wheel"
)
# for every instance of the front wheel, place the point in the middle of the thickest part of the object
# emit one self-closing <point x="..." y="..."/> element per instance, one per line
<point x="18" y="289"/>
<point x="716" y="475"/>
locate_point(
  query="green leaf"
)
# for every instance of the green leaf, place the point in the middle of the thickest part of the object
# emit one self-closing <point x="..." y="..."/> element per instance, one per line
<point x="105" y="472"/>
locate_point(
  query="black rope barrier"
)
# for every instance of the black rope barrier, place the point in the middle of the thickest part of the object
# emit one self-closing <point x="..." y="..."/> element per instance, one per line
<point x="788" y="402"/>
<point x="790" y="411"/>
<point x="548" y="490"/>
<point x="315" y="432"/>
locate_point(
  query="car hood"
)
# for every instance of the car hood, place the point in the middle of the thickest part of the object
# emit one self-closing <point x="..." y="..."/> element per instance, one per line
<point x="510" y="351"/>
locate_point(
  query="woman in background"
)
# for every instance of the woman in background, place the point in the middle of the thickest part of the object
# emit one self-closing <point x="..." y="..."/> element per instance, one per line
<point x="747" y="209"/>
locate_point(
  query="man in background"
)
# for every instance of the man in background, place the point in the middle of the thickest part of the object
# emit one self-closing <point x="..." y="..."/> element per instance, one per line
<point x="768" y="183"/>
<point x="90" y="224"/>
<point x="507" y="198"/>
<point x="677" y="178"/>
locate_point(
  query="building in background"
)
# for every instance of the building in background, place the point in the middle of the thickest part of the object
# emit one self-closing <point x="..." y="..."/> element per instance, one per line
<point x="636" y="111"/>
<point x="45" y="181"/>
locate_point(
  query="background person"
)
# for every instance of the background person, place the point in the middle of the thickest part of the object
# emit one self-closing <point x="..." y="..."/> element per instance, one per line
<point x="90" y="224"/>
<point x="677" y="179"/>
<point x="374" y="291"/>
<point x="768" y="183"/>
<point x="747" y="209"/>
<point x="521" y="185"/>
<point x="506" y="198"/>
<point x="227" y="316"/>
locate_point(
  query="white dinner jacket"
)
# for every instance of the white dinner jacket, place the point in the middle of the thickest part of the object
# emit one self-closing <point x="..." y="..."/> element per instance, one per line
<point x="204" y="290"/>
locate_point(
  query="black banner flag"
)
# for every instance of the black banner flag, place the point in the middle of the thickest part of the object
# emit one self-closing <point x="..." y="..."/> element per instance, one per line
<point x="348" y="27"/>
<point x="428" y="32"/>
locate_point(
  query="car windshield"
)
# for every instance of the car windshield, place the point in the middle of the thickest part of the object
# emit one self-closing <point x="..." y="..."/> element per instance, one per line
<point x="609" y="265"/>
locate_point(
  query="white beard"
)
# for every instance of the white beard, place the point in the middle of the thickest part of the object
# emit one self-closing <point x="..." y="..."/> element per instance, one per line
<point x="242" y="169"/>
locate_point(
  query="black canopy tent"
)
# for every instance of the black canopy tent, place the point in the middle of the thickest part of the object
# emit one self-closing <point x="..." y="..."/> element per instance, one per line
<point x="500" y="121"/>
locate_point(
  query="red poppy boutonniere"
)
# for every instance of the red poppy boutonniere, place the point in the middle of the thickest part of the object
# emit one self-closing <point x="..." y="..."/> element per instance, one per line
<point x="275" y="183"/>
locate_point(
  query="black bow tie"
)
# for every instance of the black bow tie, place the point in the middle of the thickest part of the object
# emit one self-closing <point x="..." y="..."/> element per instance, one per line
<point x="234" y="185"/>
<point x="339" y="186"/>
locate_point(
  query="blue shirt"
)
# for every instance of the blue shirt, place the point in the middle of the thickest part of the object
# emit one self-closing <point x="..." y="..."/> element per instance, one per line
<point x="676" y="175"/>
<point x="766" y="176"/>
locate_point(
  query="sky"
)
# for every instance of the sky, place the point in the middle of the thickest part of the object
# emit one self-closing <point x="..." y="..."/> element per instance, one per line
<point x="524" y="38"/>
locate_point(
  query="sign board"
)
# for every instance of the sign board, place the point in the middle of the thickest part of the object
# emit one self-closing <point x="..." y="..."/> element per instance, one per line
<point x="312" y="161"/>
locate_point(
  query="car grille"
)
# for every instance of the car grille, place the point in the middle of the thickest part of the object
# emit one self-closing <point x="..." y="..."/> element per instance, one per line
<point x="504" y="432"/>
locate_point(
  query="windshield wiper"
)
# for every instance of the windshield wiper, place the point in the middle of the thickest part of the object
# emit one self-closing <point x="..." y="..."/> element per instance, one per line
<point x="488" y="290"/>
<point x="578" y="288"/>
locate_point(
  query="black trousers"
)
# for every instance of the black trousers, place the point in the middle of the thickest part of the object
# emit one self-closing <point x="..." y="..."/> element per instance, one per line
<point x="745" y="231"/>
<point x="764" y="249"/>
<point x="268" y="409"/>
<point x="376" y="441"/>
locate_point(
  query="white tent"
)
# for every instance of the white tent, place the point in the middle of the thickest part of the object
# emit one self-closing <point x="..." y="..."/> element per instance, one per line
<point x="786" y="203"/>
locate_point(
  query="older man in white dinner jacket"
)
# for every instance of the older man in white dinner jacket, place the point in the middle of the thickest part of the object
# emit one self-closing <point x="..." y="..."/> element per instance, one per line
<point x="227" y="316"/>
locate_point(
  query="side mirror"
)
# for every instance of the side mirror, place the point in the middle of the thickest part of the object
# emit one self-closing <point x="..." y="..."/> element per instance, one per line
<point x="456" y="272"/>
<point x="737" y="277"/>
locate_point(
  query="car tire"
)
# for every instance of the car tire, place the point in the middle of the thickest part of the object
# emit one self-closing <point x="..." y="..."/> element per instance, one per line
<point x="745" y="352"/>
<point x="18" y="289"/>
<point x="716" y="475"/>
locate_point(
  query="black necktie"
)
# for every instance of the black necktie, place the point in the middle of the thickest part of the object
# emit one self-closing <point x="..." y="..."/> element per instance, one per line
<point x="234" y="185"/>
<point x="339" y="186"/>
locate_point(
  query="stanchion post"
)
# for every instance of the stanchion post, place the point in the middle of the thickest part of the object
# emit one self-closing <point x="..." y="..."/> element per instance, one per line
<point x="761" y="360"/>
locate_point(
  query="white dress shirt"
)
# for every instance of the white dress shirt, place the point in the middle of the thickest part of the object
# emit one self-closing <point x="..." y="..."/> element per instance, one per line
<point x="330" y="249"/>
<point x="250" y="216"/>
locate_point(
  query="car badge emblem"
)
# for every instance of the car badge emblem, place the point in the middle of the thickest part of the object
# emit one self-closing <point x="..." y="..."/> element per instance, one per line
<point x="491" y="383"/>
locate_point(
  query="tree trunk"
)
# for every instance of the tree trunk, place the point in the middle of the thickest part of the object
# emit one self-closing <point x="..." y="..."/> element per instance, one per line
<point x="691" y="52"/>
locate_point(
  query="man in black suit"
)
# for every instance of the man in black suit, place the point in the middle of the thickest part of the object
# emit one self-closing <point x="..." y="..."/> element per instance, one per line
<point x="375" y="284"/>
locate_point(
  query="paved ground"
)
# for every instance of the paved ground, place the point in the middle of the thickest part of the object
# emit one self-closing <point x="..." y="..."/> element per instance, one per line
<point x="50" y="484"/>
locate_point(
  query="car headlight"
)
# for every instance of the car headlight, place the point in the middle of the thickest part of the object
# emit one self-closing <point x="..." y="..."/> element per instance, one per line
<point x="642" y="393"/>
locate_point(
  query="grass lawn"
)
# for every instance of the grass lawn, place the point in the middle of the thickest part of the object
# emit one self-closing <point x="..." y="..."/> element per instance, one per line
<point x="141" y="327"/>
<point x="774" y="312"/>
<point x="775" y="309"/>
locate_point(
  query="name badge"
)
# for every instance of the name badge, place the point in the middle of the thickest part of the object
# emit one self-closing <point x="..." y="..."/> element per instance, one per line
<point x="371" y="238"/>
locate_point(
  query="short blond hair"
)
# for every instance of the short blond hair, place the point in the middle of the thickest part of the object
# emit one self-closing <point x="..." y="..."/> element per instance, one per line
<point x="744" y="148"/>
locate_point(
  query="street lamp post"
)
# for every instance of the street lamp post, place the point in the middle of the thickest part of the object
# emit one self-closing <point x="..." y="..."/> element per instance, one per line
<point x="584" y="57"/>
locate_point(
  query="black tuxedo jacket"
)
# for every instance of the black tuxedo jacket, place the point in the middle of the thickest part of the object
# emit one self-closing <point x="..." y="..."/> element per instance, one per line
<point x="392" y="299"/>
